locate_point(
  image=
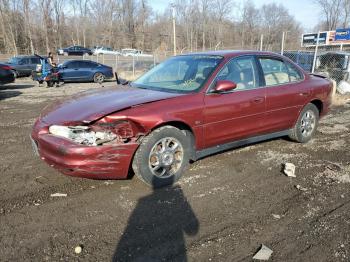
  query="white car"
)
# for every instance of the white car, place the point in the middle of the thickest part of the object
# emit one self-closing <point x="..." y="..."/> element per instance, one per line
<point x="106" y="51"/>
<point x="134" y="52"/>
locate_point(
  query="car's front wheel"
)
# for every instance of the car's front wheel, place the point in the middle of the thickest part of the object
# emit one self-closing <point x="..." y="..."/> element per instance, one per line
<point x="99" y="78"/>
<point x="162" y="156"/>
<point x="306" y="124"/>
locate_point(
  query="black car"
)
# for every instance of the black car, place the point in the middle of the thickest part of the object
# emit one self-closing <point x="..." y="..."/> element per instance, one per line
<point x="74" y="50"/>
<point x="6" y="74"/>
<point x="23" y="65"/>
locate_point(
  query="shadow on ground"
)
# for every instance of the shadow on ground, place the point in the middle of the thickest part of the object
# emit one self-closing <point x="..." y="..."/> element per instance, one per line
<point x="15" y="86"/>
<point x="156" y="228"/>
<point x="8" y="94"/>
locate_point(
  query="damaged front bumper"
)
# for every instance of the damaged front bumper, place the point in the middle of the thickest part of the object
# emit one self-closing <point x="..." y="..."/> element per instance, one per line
<point x="110" y="161"/>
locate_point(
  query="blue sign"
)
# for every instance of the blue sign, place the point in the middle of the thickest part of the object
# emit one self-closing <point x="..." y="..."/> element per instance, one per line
<point x="342" y="34"/>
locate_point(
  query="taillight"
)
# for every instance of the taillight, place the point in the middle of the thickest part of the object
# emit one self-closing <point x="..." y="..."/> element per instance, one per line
<point x="5" y="67"/>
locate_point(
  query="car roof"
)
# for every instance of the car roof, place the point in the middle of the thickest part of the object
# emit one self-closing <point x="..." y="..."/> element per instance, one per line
<point x="231" y="53"/>
<point x="25" y="56"/>
<point x="80" y="60"/>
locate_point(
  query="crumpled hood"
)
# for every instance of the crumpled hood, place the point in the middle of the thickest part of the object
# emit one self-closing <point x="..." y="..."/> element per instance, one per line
<point x="92" y="105"/>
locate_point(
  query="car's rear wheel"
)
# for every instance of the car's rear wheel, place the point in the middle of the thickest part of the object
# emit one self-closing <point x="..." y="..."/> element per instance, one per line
<point x="162" y="156"/>
<point x="306" y="124"/>
<point x="99" y="78"/>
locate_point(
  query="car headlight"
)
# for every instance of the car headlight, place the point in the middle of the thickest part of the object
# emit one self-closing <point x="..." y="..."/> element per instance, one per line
<point x="82" y="134"/>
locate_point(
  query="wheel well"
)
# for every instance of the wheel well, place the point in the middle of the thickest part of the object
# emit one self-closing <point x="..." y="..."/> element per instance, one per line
<point x="178" y="124"/>
<point x="182" y="126"/>
<point x="318" y="104"/>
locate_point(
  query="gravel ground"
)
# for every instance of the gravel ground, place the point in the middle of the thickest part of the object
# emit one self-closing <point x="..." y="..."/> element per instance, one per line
<point x="224" y="208"/>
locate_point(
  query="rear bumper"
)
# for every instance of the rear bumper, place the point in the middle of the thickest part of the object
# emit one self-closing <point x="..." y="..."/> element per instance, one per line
<point x="96" y="162"/>
<point x="7" y="79"/>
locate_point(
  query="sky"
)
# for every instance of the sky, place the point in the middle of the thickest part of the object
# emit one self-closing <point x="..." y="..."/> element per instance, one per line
<point x="304" y="11"/>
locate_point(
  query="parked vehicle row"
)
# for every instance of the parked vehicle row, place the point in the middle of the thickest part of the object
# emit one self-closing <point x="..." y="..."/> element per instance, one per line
<point x="185" y="108"/>
<point x="100" y="50"/>
<point x="74" y="50"/>
<point x="69" y="71"/>
<point x="23" y="65"/>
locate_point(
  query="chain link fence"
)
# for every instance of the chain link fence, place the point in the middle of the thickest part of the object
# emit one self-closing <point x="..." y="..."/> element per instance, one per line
<point x="332" y="61"/>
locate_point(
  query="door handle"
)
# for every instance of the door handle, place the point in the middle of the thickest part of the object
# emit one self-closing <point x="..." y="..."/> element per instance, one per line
<point x="258" y="100"/>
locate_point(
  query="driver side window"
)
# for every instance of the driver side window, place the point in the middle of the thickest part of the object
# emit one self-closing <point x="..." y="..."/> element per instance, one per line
<point x="242" y="71"/>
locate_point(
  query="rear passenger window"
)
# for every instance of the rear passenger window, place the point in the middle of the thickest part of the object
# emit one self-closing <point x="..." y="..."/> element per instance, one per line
<point x="74" y="64"/>
<point x="35" y="60"/>
<point x="275" y="71"/>
<point x="86" y="65"/>
<point x="294" y="74"/>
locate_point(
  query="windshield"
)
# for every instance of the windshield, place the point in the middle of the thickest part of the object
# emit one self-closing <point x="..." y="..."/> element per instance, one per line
<point x="14" y="60"/>
<point x="180" y="74"/>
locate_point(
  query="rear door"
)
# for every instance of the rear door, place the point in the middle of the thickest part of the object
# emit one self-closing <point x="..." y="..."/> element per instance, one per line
<point x="86" y="70"/>
<point x="24" y="66"/>
<point x="286" y="93"/>
<point x="237" y="114"/>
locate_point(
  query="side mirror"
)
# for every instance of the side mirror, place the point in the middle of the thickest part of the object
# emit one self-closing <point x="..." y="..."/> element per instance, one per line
<point x="223" y="86"/>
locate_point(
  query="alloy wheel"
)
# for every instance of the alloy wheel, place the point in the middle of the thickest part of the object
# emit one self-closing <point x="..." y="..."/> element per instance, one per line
<point x="166" y="157"/>
<point x="308" y="123"/>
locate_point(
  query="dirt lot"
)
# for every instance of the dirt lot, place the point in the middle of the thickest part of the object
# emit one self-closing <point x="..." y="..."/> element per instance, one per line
<point x="223" y="209"/>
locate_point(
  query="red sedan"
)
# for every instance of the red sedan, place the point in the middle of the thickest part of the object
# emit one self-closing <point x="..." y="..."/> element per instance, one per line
<point x="187" y="107"/>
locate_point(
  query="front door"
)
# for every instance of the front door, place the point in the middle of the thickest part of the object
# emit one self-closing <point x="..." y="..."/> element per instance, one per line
<point x="237" y="114"/>
<point x="70" y="72"/>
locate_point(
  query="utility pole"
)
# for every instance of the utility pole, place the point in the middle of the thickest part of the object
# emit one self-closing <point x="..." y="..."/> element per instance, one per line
<point x="282" y="46"/>
<point x="261" y="42"/>
<point x="316" y="50"/>
<point x="174" y="28"/>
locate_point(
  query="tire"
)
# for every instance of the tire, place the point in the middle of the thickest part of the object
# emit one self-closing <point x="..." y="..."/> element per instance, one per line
<point x="50" y="83"/>
<point x="99" y="78"/>
<point x="306" y="124"/>
<point x="157" y="161"/>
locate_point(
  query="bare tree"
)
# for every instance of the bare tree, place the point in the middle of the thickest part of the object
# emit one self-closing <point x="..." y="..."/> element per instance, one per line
<point x="41" y="25"/>
<point x="332" y="11"/>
